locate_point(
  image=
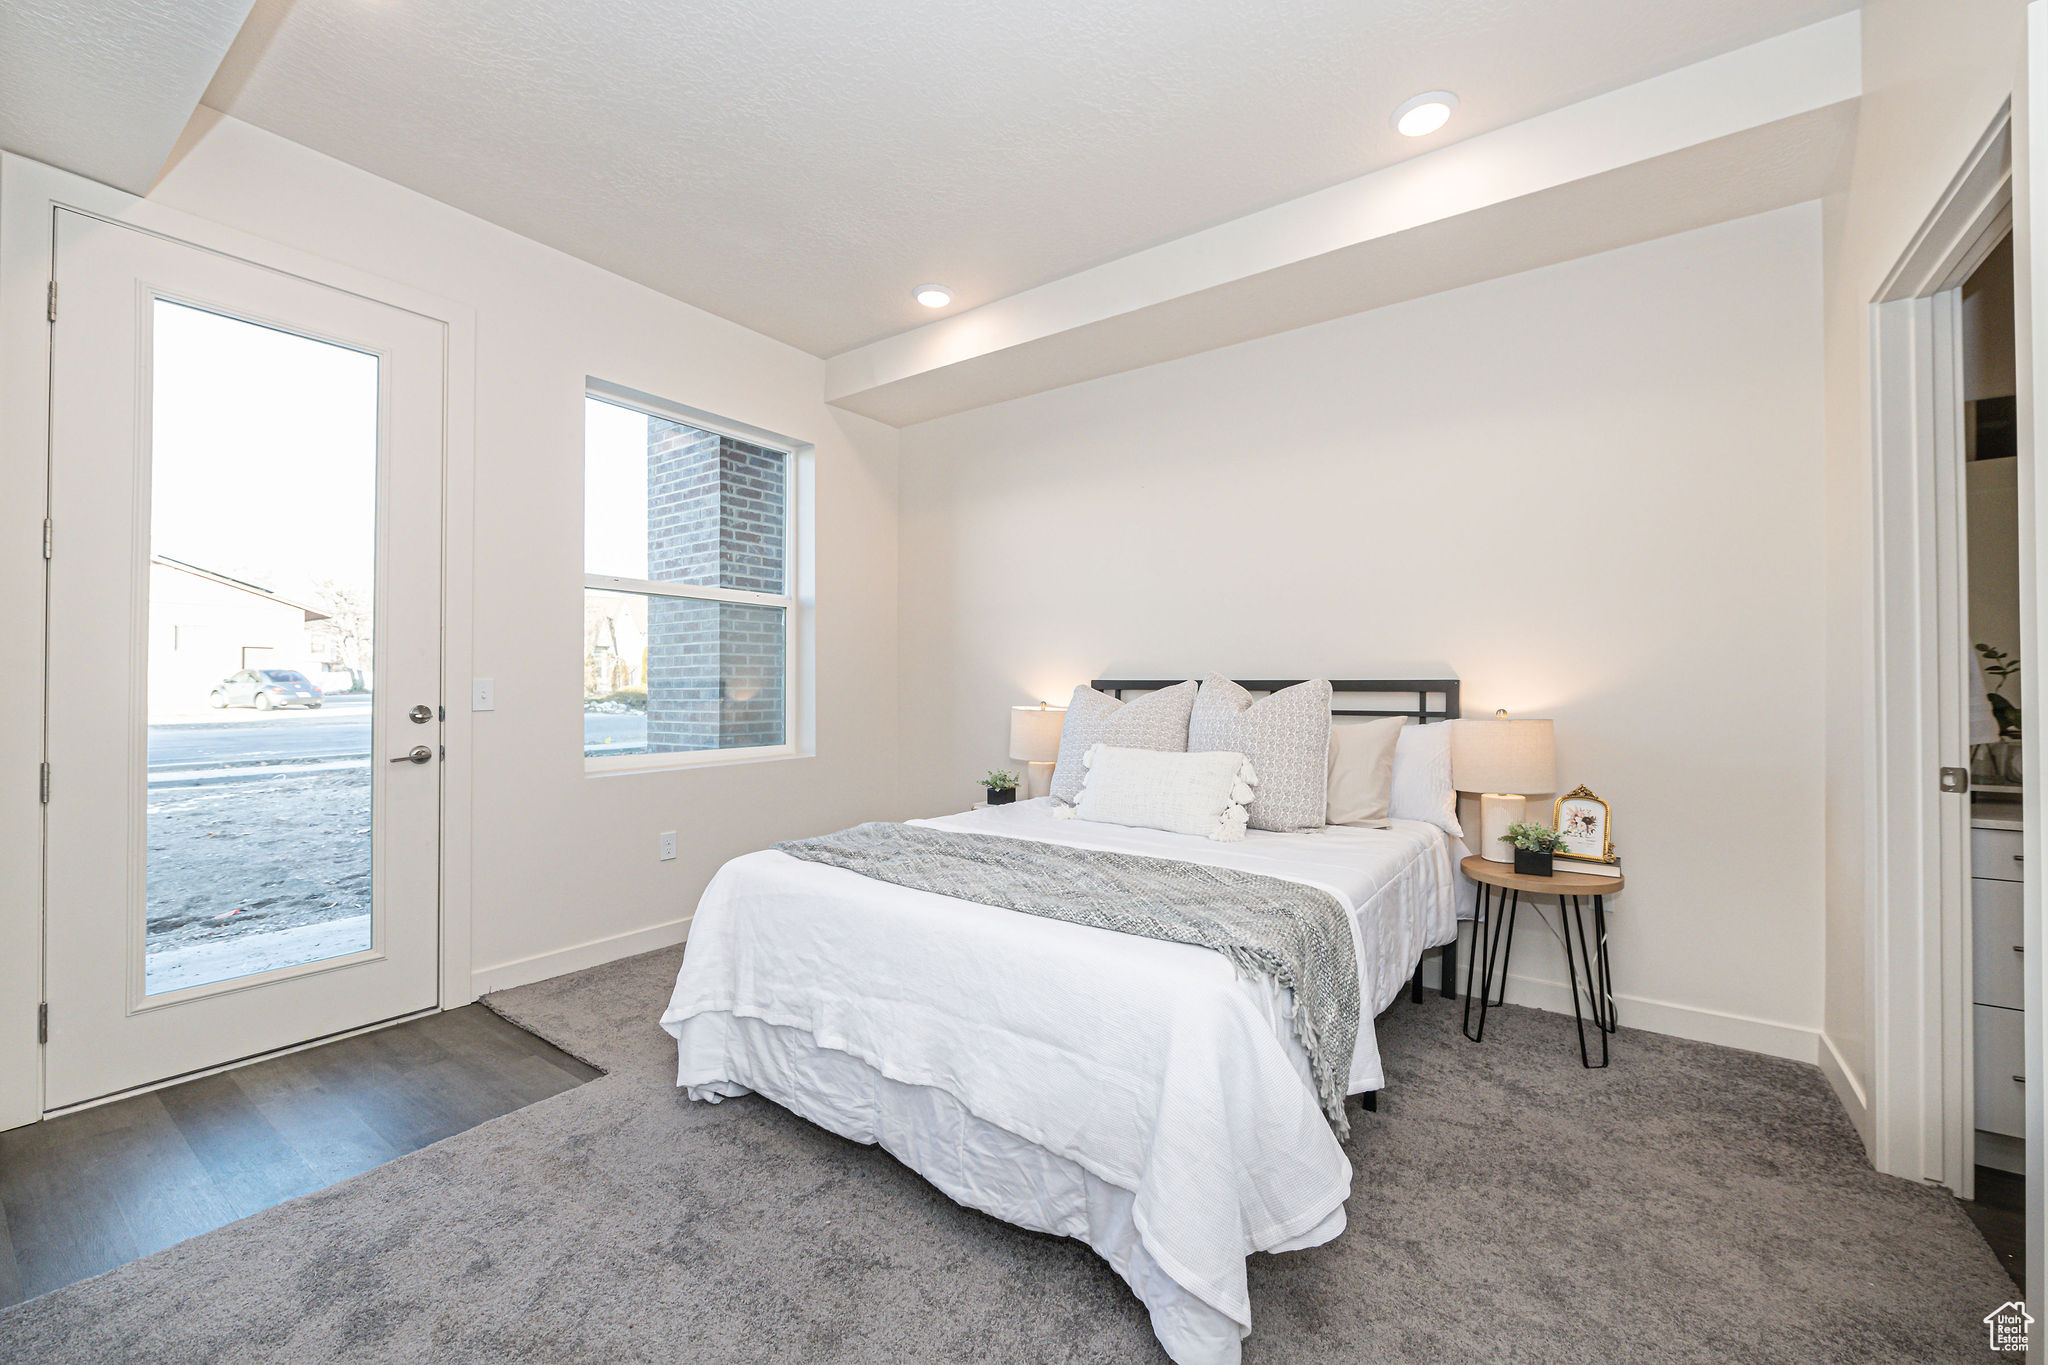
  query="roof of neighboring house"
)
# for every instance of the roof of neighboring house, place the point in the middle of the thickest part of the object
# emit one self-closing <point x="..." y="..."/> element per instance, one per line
<point x="312" y="613"/>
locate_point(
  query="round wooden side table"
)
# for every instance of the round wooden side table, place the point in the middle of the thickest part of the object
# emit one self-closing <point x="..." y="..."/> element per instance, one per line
<point x="1499" y="896"/>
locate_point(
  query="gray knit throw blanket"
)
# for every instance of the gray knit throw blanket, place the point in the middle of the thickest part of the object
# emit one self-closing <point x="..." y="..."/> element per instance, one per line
<point x="1298" y="935"/>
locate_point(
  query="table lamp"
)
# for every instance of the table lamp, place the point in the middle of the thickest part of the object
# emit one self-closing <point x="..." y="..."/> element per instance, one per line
<point x="1035" y="741"/>
<point x="1502" y="760"/>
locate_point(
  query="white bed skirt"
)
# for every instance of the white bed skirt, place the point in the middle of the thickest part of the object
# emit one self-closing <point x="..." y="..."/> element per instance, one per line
<point x="972" y="1161"/>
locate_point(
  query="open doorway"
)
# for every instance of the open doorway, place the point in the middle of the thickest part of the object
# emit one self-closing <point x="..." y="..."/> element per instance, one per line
<point x="1996" y="1194"/>
<point x="1948" y="888"/>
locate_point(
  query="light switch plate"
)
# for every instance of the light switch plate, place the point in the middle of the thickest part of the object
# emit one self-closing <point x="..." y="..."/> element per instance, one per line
<point x="668" y="845"/>
<point x="483" y="695"/>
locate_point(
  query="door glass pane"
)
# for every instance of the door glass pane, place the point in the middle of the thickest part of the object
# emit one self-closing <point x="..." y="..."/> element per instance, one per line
<point x="676" y="674"/>
<point x="263" y="493"/>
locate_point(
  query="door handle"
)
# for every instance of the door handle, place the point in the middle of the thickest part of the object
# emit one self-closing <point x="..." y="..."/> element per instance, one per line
<point x="420" y="754"/>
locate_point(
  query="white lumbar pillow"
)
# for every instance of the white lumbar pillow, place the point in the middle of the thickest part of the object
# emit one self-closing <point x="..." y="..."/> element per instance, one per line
<point x="1203" y="794"/>
<point x="1422" y="787"/>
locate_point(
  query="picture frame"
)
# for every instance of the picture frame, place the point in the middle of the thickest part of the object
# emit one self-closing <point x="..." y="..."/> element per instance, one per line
<point x="1586" y="822"/>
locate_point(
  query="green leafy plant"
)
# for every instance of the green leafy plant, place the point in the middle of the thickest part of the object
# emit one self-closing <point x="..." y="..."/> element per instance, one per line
<point x="997" y="779"/>
<point x="2004" y="667"/>
<point x="1534" y="838"/>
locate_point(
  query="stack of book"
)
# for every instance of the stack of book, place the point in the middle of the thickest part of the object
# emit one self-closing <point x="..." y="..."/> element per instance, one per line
<point x="1586" y="867"/>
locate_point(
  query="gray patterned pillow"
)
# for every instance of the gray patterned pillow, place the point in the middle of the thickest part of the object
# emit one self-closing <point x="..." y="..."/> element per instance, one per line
<point x="1287" y="738"/>
<point x="1157" y="720"/>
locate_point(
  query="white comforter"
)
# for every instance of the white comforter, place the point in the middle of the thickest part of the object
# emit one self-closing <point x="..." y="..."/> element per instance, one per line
<point x="1151" y="1066"/>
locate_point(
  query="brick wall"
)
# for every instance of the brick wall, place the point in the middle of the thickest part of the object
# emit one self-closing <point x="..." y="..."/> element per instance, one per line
<point x="715" y="670"/>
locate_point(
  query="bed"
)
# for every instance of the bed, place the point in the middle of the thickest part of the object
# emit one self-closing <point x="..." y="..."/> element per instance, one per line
<point x="1137" y="1094"/>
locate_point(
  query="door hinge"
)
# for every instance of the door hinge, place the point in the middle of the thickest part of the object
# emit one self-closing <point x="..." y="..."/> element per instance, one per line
<point x="43" y="1022"/>
<point x="46" y="784"/>
<point x="53" y="301"/>
<point x="49" y="536"/>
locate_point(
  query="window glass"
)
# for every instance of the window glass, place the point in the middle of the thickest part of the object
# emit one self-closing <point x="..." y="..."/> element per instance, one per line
<point x="688" y="517"/>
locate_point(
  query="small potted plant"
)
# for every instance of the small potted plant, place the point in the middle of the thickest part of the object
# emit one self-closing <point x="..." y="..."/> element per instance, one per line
<point x="1002" y="787"/>
<point x="1536" y="848"/>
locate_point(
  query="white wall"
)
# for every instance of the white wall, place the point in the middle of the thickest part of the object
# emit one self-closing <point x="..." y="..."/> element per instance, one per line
<point x="1591" y="491"/>
<point x="563" y="865"/>
<point x="1990" y="367"/>
<point x="1934" y="75"/>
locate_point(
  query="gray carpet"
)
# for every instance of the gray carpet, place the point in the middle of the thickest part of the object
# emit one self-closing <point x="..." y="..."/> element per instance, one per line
<point x="1689" y="1204"/>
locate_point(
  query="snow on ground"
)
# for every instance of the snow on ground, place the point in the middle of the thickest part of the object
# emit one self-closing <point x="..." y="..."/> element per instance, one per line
<point x="197" y="964"/>
<point x="242" y="872"/>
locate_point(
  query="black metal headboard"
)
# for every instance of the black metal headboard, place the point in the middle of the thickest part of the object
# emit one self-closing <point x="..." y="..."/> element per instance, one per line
<point x="1423" y="689"/>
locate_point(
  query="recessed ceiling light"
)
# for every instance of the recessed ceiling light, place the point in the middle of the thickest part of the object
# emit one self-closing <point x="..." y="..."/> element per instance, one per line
<point x="933" y="295"/>
<point x="1425" y="113"/>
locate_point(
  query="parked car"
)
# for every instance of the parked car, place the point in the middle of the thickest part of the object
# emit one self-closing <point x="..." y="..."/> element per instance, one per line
<point x="265" y="689"/>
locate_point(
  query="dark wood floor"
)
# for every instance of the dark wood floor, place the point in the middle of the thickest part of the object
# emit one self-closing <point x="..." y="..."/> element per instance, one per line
<point x="2000" y="1213"/>
<point x="92" y="1190"/>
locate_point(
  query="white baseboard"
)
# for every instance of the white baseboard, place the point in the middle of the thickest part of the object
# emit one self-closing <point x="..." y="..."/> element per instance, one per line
<point x="1767" y="1036"/>
<point x="525" y="971"/>
<point x="1843" y="1082"/>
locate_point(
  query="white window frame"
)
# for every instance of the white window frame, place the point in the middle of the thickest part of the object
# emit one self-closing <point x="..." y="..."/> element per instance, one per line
<point x="786" y="600"/>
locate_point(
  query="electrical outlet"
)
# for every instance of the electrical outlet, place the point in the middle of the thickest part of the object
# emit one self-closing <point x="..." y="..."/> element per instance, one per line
<point x="483" y="695"/>
<point x="668" y="846"/>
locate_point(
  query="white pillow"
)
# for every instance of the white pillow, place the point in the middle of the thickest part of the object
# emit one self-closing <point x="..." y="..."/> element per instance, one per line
<point x="1362" y="772"/>
<point x="1422" y="787"/>
<point x="1203" y="794"/>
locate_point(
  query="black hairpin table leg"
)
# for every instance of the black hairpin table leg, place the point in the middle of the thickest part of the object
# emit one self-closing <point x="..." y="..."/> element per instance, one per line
<point x="1482" y="902"/>
<point x="1569" y="915"/>
<point x="1500" y="945"/>
<point x="1508" y="952"/>
<point x="1598" y="1007"/>
<point x="1606" y="976"/>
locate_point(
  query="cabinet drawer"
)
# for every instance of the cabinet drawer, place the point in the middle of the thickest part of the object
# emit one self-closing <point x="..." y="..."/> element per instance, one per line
<point x="1995" y="943"/>
<point x="2001" y="1056"/>
<point x="1995" y="853"/>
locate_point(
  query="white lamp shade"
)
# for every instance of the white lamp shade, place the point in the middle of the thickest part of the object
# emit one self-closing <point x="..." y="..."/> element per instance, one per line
<point x="1504" y="756"/>
<point x="1035" y="733"/>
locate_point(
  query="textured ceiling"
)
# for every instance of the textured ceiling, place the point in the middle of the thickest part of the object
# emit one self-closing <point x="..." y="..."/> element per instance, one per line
<point x="104" y="89"/>
<point x="799" y="167"/>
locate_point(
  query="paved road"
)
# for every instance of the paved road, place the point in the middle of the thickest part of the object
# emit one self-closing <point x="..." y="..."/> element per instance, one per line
<point x="338" y="730"/>
<point x="614" y="734"/>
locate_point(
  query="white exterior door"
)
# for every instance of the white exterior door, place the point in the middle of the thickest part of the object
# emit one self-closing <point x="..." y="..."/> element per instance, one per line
<point x="244" y="608"/>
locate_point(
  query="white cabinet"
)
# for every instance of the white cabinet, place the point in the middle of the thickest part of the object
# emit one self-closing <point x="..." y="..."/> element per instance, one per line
<point x="1995" y="853"/>
<point x="1995" y="929"/>
<point x="1997" y="870"/>
<point x="2001" y="1071"/>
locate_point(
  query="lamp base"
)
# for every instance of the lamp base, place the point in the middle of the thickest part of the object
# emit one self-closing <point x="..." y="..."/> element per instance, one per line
<point x="1496" y="813"/>
<point x="1037" y="780"/>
